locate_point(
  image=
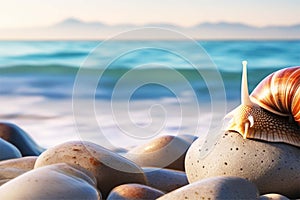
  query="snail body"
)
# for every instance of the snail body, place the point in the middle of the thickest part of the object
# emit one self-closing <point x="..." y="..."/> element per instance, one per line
<point x="272" y="111"/>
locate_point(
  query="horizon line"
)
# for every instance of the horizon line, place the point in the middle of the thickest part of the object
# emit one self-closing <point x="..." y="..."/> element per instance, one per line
<point x="150" y="23"/>
<point x="146" y="39"/>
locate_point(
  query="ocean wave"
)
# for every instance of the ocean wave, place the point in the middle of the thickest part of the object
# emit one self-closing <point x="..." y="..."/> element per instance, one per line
<point x="118" y="72"/>
<point x="54" y="55"/>
<point x="38" y="69"/>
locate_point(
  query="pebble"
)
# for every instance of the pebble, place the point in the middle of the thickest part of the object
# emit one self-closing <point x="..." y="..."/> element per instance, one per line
<point x="272" y="197"/>
<point x="7" y="174"/>
<point x="215" y="188"/>
<point x="165" y="180"/>
<point x="134" y="191"/>
<point x="12" y="168"/>
<point x="8" y="151"/>
<point x="273" y="167"/>
<point x="163" y="152"/>
<point x="109" y="168"/>
<point x="59" y="181"/>
<point x="16" y="136"/>
<point x="25" y="163"/>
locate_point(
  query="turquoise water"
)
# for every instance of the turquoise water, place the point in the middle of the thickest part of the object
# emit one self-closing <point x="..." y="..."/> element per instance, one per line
<point x="225" y="54"/>
<point x="34" y="63"/>
<point x="39" y="81"/>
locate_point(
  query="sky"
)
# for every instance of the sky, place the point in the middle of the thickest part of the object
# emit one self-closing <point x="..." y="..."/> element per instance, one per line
<point x="34" y="13"/>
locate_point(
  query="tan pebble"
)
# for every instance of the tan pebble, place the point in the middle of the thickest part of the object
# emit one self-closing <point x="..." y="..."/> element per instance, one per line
<point x="165" y="180"/>
<point x="19" y="138"/>
<point x="25" y="163"/>
<point x="164" y="152"/>
<point x="134" y="191"/>
<point x="58" y="181"/>
<point x="4" y="181"/>
<point x="109" y="168"/>
<point x="8" y="151"/>
<point x="9" y="173"/>
<point x="272" y="167"/>
<point x="273" y="197"/>
<point x="10" y="169"/>
<point x="215" y="188"/>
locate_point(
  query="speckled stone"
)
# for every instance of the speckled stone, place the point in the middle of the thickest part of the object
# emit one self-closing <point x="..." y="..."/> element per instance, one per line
<point x="19" y="138"/>
<point x="165" y="180"/>
<point x="273" y="167"/>
<point x="59" y="181"/>
<point x="8" y="151"/>
<point x="109" y="168"/>
<point x="134" y="191"/>
<point x="163" y="152"/>
<point x="215" y="188"/>
<point x="273" y="197"/>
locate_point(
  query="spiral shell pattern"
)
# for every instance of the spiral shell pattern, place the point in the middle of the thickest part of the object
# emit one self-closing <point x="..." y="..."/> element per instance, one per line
<point x="279" y="93"/>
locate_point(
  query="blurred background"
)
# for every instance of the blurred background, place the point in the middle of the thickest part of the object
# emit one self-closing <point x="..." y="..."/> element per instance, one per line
<point x="135" y="85"/>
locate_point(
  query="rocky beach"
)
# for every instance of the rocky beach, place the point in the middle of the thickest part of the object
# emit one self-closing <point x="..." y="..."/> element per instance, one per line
<point x="168" y="167"/>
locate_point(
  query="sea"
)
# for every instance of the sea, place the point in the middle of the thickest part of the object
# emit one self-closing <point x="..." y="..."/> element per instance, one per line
<point x="120" y="94"/>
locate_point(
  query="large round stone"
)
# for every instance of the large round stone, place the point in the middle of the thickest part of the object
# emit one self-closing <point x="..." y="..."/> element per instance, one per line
<point x="273" y="167"/>
<point x="109" y="168"/>
<point x="164" y="152"/>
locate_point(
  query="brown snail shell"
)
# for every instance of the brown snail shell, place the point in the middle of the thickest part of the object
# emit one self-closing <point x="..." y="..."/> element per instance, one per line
<point x="272" y="111"/>
<point x="279" y="93"/>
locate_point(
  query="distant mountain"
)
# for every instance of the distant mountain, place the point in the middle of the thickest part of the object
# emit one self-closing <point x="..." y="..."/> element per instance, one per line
<point x="69" y="22"/>
<point x="297" y="26"/>
<point x="73" y="22"/>
<point x="223" y="25"/>
<point x="163" y="25"/>
<point x="74" y="29"/>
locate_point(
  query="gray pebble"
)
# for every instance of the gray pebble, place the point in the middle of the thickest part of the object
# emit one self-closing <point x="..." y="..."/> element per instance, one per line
<point x="134" y="191"/>
<point x="165" y="180"/>
<point x="164" y="152"/>
<point x="273" y="197"/>
<point x="58" y="181"/>
<point x="8" y="151"/>
<point x="273" y="167"/>
<point x="19" y="138"/>
<point x="215" y="188"/>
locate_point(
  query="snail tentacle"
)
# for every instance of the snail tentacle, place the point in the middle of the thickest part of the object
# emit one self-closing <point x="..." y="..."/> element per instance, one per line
<point x="246" y="130"/>
<point x="245" y="98"/>
<point x="251" y="120"/>
<point x="248" y="125"/>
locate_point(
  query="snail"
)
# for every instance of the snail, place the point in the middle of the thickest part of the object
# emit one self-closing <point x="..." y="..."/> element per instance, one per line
<point x="272" y="111"/>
